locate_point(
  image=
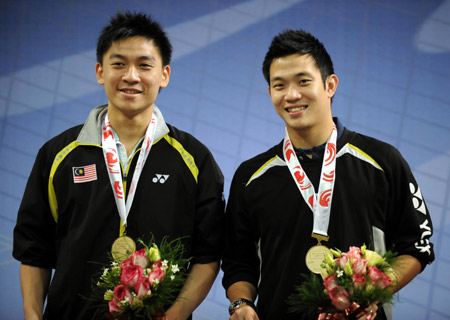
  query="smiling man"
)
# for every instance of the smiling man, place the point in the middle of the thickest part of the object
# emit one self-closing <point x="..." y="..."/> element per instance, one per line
<point x="322" y="185"/>
<point x="77" y="204"/>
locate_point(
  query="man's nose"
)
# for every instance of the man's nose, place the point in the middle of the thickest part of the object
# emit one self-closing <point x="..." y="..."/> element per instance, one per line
<point x="293" y="93"/>
<point x="131" y="75"/>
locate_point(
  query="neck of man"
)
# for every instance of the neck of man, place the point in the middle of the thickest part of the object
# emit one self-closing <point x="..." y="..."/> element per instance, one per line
<point x="130" y="128"/>
<point x="313" y="136"/>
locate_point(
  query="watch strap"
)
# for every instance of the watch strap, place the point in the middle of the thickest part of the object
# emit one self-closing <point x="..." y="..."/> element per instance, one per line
<point x="235" y="304"/>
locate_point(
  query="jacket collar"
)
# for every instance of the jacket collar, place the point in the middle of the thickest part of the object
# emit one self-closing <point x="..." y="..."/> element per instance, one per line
<point x="91" y="133"/>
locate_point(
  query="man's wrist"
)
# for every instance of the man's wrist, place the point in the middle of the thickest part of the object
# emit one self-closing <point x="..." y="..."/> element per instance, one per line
<point x="238" y="303"/>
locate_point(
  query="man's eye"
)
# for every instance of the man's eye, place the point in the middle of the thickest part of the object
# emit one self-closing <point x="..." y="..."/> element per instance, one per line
<point x="118" y="64"/>
<point x="304" y="81"/>
<point x="146" y="66"/>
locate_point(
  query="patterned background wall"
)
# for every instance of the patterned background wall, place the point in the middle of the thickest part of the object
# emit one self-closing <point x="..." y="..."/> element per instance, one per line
<point x="392" y="58"/>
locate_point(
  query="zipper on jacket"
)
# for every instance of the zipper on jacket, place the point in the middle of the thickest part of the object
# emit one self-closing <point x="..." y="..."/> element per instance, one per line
<point x="125" y="172"/>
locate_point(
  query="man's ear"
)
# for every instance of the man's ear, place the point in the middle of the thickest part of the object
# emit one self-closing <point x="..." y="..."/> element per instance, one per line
<point x="332" y="83"/>
<point x="99" y="73"/>
<point x="165" y="76"/>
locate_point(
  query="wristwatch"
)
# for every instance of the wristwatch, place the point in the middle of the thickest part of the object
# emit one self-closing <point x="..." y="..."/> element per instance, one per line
<point x="238" y="303"/>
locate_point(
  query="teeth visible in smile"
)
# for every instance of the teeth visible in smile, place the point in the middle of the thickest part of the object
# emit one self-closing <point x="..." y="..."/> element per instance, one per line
<point x="130" y="91"/>
<point x="296" y="109"/>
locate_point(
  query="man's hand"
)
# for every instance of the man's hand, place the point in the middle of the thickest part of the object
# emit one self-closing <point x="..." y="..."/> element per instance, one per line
<point x="244" y="313"/>
<point x="369" y="313"/>
<point x="242" y="289"/>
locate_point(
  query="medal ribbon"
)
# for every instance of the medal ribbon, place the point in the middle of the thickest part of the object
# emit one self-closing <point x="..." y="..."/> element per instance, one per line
<point x="320" y="203"/>
<point x="113" y="164"/>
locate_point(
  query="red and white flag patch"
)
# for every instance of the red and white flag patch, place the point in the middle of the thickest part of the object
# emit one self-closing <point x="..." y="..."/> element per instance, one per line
<point x="84" y="174"/>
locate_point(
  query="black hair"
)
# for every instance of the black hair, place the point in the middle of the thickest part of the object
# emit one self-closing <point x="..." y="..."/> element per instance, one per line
<point x="126" y="25"/>
<point x="298" y="42"/>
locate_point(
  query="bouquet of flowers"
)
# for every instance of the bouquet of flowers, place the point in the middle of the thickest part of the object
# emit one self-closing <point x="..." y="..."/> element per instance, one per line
<point x="146" y="283"/>
<point x="351" y="281"/>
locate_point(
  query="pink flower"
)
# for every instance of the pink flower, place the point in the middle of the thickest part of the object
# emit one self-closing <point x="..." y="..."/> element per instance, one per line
<point x="122" y="293"/>
<point x="339" y="298"/>
<point x="359" y="280"/>
<point x="139" y="258"/>
<point x="157" y="265"/>
<point x="342" y="261"/>
<point x="353" y="253"/>
<point x="126" y="263"/>
<point x="131" y="275"/>
<point x="113" y="306"/>
<point x="379" y="278"/>
<point x="359" y="266"/>
<point x="136" y="259"/>
<point x="330" y="282"/>
<point x="142" y="288"/>
<point x="157" y="276"/>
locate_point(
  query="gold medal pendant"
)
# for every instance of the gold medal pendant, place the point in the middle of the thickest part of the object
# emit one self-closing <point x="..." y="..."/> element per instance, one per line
<point x="122" y="248"/>
<point x="316" y="254"/>
<point x="315" y="257"/>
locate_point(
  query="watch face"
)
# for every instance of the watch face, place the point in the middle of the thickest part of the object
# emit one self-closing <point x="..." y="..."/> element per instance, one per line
<point x="236" y="304"/>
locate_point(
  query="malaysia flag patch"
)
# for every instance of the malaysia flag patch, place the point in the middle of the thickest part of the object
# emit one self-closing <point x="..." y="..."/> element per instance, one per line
<point x="84" y="174"/>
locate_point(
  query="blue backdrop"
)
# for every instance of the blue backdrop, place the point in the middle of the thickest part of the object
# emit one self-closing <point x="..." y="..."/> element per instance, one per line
<point x="392" y="58"/>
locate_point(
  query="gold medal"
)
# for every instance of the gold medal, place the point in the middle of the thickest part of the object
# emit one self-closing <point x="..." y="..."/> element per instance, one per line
<point x="122" y="248"/>
<point x="315" y="257"/>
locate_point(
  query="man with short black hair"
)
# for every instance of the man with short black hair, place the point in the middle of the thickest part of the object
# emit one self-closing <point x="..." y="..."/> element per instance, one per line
<point x="77" y="203"/>
<point x="322" y="185"/>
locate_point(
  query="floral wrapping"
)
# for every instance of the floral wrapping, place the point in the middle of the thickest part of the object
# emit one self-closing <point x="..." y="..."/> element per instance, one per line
<point x="351" y="281"/>
<point x="146" y="283"/>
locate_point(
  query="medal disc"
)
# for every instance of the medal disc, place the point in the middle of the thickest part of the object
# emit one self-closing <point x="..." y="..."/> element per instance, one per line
<point x="122" y="248"/>
<point x="314" y="258"/>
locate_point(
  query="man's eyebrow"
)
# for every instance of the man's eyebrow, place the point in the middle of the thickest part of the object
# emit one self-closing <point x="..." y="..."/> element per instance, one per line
<point x="300" y="74"/>
<point x="147" y="57"/>
<point x="276" y="79"/>
<point x="116" y="56"/>
<point x="303" y="73"/>
<point x="141" y="58"/>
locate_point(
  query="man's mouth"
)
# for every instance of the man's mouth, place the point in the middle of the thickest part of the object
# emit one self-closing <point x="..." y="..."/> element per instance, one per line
<point x="130" y="91"/>
<point x="296" y="108"/>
